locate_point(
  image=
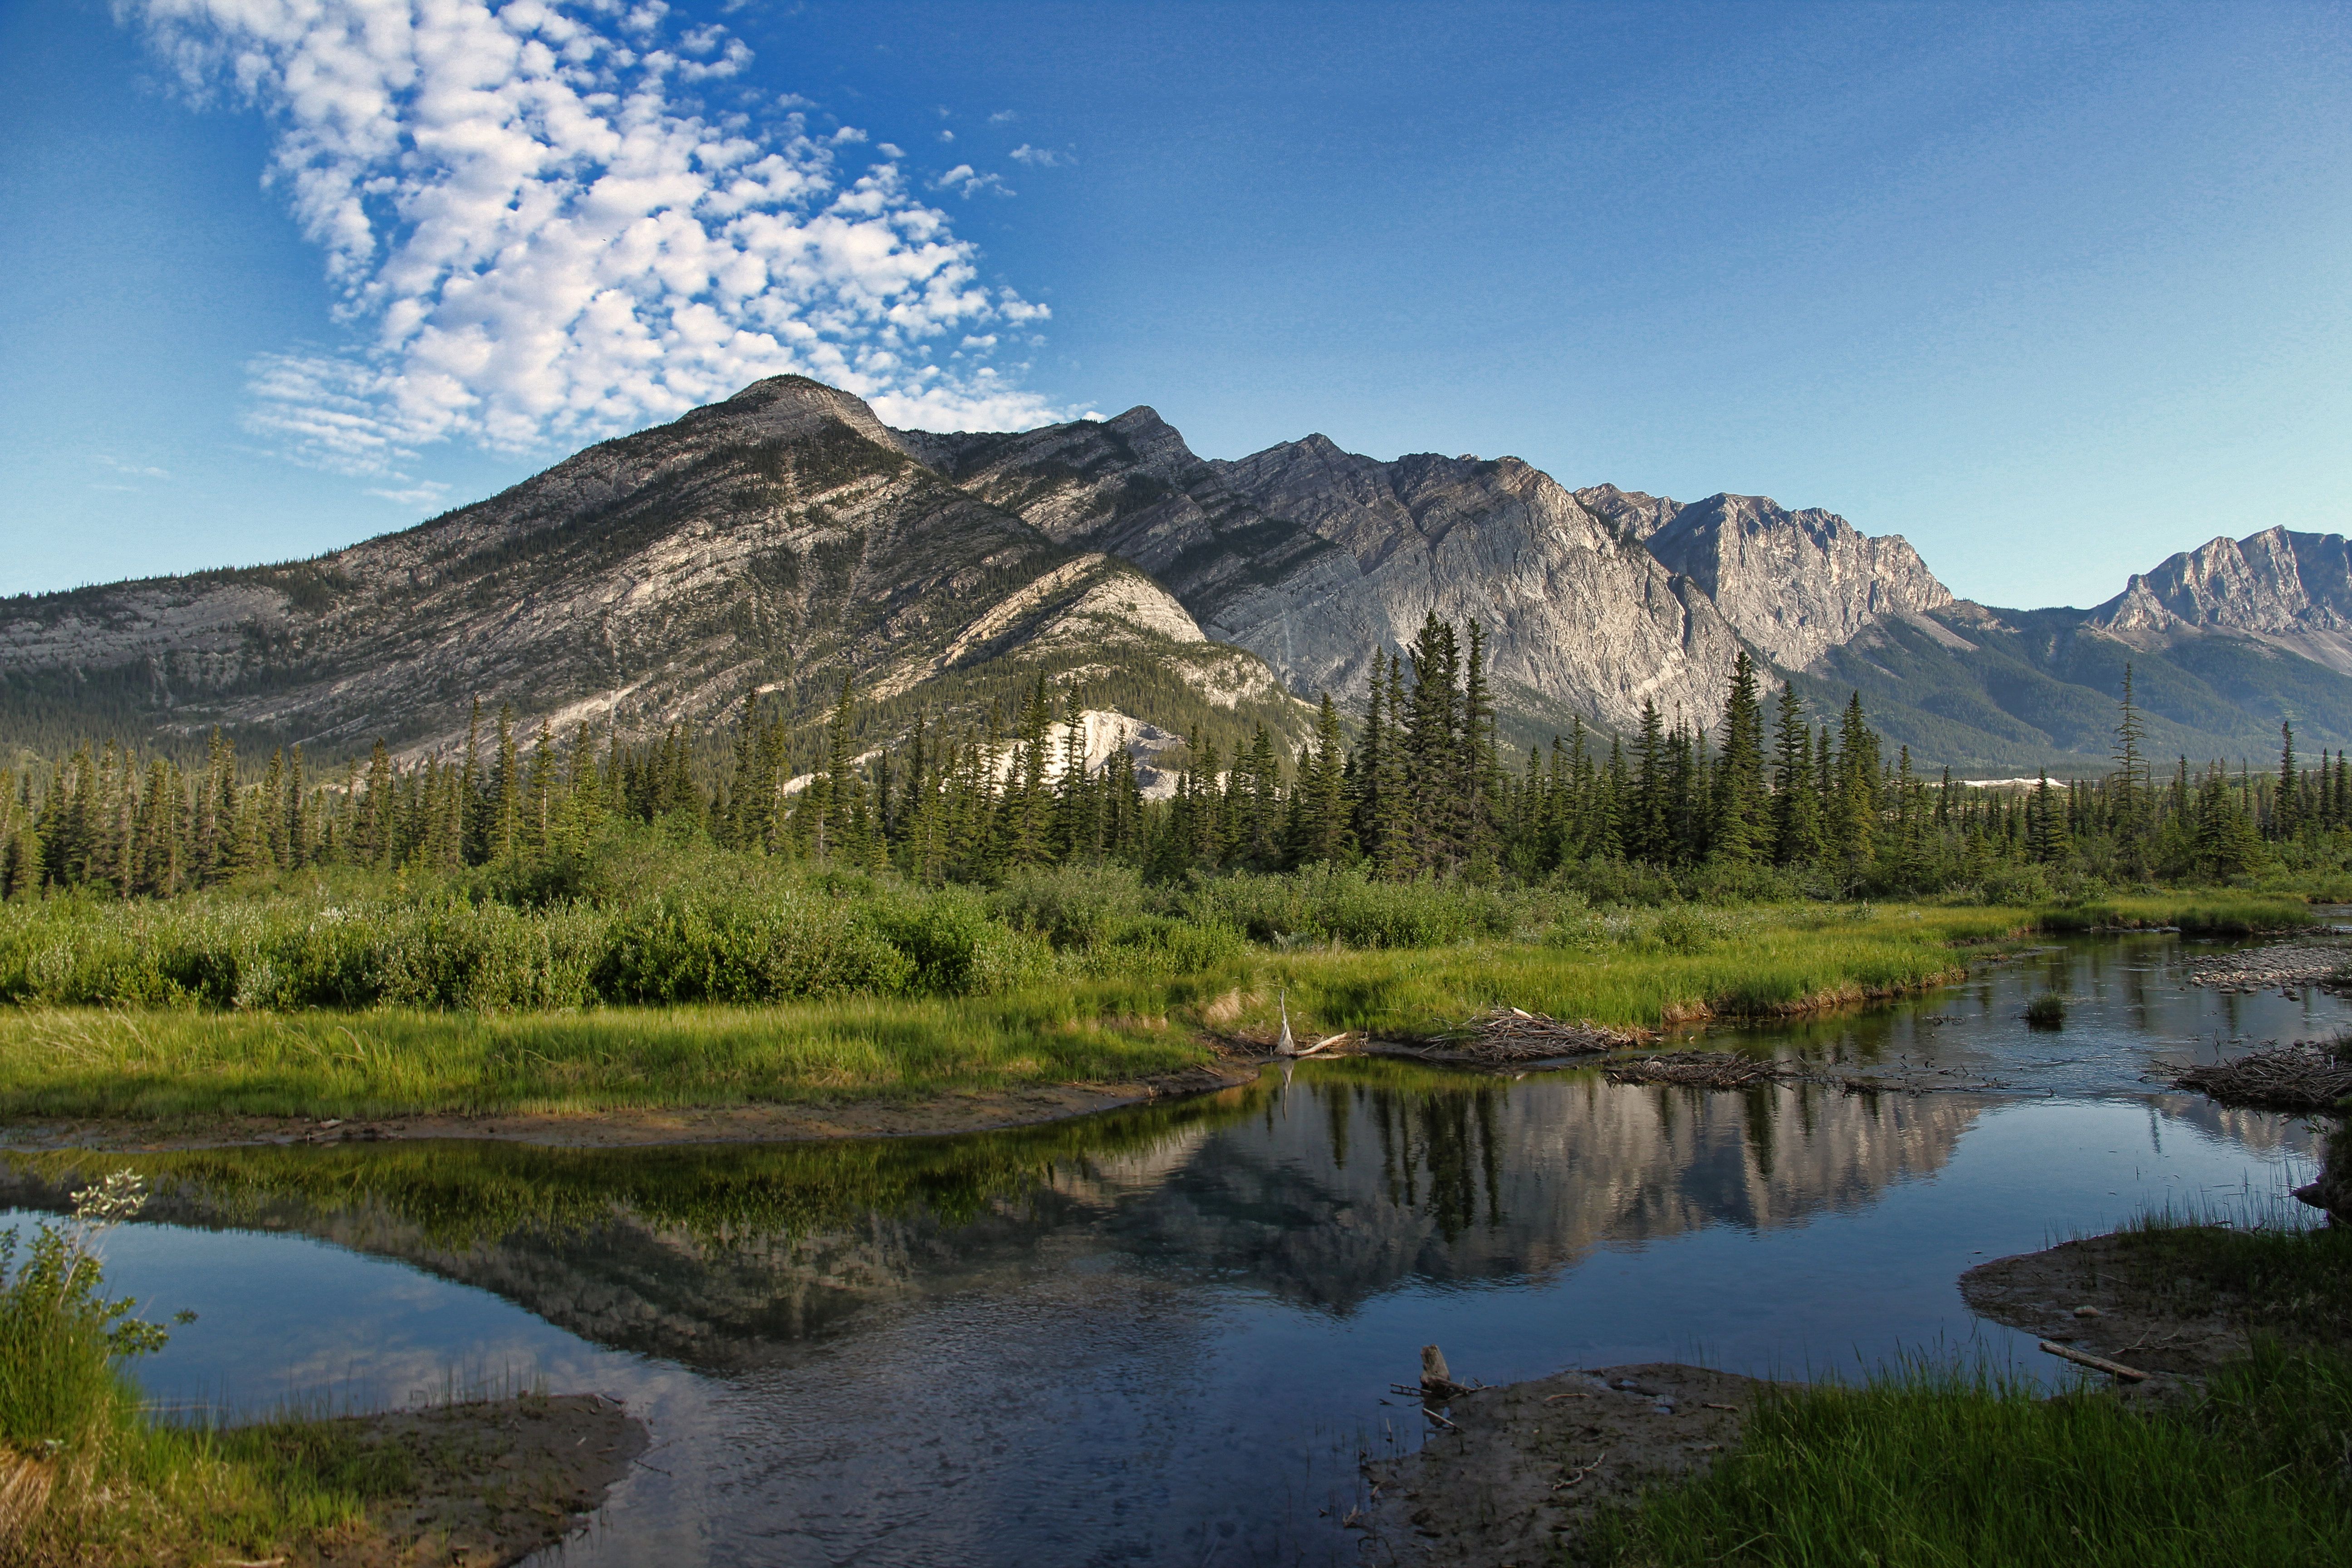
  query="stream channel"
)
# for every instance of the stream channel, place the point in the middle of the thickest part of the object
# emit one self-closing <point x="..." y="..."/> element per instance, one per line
<point x="1165" y="1335"/>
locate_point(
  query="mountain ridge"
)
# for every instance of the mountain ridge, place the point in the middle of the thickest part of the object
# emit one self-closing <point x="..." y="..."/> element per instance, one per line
<point x="782" y="538"/>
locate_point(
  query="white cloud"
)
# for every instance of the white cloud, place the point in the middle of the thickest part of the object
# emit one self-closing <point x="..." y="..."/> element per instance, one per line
<point x="1039" y="157"/>
<point x="965" y="180"/>
<point x="132" y="470"/>
<point x="425" y="492"/>
<point x="1002" y="117"/>
<point x="539" y="235"/>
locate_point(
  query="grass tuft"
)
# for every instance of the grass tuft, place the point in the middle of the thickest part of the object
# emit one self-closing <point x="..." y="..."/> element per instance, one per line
<point x="1935" y="1467"/>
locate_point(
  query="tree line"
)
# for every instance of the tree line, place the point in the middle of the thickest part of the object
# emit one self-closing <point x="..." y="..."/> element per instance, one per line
<point x="1424" y="789"/>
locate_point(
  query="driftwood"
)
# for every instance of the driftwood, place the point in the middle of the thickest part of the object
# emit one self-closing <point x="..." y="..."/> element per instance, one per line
<point x="1704" y="1069"/>
<point x="2095" y="1362"/>
<point x="2300" y="1076"/>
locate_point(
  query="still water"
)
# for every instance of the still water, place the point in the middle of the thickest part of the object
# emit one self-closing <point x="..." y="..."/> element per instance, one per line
<point x="1163" y="1336"/>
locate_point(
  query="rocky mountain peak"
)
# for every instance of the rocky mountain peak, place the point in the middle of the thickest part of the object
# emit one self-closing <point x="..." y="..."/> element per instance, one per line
<point x="1633" y="513"/>
<point x="2291" y="590"/>
<point x="793" y="407"/>
<point x="1794" y="583"/>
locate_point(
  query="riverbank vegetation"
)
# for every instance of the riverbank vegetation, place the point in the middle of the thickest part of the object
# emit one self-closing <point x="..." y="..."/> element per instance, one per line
<point x="90" y="1477"/>
<point x="1931" y="1465"/>
<point x="774" y="911"/>
<point x="1780" y="804"/>
<point x="1090" y="1000"/>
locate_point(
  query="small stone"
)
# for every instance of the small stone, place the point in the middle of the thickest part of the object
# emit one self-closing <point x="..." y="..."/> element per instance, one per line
<point x="2088" y="1312"/>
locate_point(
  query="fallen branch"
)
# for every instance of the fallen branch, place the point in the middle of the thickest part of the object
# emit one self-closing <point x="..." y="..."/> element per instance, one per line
<point x="2095" y="1362"/>
<point x="1510" y="1035"/>
<point x="1577" y="1475"/>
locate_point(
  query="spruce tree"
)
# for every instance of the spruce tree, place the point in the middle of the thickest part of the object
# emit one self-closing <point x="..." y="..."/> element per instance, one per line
<point x="1796" y="800"/>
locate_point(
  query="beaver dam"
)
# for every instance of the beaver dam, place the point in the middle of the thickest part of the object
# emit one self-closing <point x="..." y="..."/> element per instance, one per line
<point x="1167" y="1335"/>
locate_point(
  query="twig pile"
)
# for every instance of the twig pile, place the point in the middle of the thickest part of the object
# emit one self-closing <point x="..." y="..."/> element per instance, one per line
<point x="2300" y="1076"/>
<point x="1704" y="1069"/>
<point x="1507" y="1036"/>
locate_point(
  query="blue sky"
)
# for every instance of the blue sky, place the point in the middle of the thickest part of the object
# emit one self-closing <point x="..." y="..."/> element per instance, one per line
<point x="2054" y="292"/>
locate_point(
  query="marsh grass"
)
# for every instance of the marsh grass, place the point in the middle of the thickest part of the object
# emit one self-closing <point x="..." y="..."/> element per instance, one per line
<point x="162" y="1065"/>
<point x="1932" y="1467"/>
<point x="1080" y="987"/>
<point x="2290" y="1279"/>
<point x="92" y="1477"/>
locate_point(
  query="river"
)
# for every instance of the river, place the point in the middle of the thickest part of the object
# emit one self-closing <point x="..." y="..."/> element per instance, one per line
<point x="1165" y="1335"/>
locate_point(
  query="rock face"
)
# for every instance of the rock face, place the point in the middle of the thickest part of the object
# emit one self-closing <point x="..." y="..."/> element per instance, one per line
<point x="770" y="543"/>
<point x="1794" y="583"/>
<point x="2291" y="590"/>
<point x="1579" y="620"/>
<point x="656" y="578"/>
<point x="1314" y="559"/>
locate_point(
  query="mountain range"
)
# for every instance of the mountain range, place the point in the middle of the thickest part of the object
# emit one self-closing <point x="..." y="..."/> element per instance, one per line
<point x="773" y="543"/>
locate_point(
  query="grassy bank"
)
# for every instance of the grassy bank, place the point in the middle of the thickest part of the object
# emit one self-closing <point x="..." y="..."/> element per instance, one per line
<point x="88" y="1477"/>
<point x="1932" y="1465"/>
<point x="1104" y="993"/>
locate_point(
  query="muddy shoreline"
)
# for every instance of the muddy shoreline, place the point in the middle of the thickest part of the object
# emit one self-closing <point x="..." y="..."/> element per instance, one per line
<point x="979" y="1111"/>
<point x="498" y="1480"/>
<point x="1519" y="1469"/>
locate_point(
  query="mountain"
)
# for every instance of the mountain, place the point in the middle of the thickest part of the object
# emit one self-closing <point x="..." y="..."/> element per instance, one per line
<point x="765" y="545"/>
<point x="1314" y="559"/>
<point x="776" y="542"/>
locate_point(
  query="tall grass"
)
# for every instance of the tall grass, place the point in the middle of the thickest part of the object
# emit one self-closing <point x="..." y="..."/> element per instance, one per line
<point x="1938" y="1468"/>
<point x="90" y="1478"/>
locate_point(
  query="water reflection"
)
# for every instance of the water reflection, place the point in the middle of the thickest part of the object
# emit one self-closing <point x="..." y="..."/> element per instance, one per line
<point x="1325" y="1191"/>
<point x="1162" y="1334"/>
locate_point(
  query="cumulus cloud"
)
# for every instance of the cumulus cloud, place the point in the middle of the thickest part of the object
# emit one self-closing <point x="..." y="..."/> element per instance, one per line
<point x="1038" y="157"/>
<point x="967" y="181"/>
<point x="540" y="233"/>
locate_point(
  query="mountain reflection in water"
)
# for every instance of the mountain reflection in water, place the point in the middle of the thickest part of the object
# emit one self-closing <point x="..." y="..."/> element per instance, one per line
<point x="1164" y="1334"/>
<point x="1325" y="1191"/>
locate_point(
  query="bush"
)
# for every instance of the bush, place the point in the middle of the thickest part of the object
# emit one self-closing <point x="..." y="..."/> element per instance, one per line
<point x="688" y="949"/>
<point x="1343" y="905"/>
<point x="1074" y="907"/>
<point x="955" y="948"/>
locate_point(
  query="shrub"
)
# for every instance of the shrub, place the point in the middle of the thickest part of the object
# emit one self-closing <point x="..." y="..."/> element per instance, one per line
<point x="688" y="950"/>
<point x="955" y="948"/>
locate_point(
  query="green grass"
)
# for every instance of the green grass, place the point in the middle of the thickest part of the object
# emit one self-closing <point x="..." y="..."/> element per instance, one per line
<point x="2288" y="1280"/>
<point x="1934" y="1468"/>
<point x="1102" y="1013"/>
<point x="161" y="1065"/>
<point x="105" y="1481"/>
<point x="2200" y="914"/>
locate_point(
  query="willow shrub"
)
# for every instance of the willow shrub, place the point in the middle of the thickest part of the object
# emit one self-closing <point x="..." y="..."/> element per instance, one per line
<point x="285" y="955"/>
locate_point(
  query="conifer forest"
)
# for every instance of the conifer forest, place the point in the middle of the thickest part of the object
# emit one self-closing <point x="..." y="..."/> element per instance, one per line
<point x="1775" y="800"/>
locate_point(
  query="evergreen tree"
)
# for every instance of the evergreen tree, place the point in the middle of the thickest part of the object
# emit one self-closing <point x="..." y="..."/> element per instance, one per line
<point x="1796" y="800"/>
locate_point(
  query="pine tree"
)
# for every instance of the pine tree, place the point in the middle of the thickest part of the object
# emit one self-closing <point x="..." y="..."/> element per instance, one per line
<point x="1796" y="800"/>
<point x="1322" y="833"/>
<point x="2286" y="818"/>
<point x="1741" y="826"/>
